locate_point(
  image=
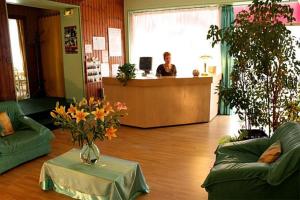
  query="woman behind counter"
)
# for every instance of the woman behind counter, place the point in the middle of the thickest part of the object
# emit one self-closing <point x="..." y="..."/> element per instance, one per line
<point x="166" y="69"/>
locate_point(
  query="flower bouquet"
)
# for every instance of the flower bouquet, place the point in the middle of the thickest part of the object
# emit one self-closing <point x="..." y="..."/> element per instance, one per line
<point x="89" y="120"/>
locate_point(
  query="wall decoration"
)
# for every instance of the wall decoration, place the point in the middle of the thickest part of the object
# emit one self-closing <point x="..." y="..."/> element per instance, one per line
<point x="115" y="41"/>
<point x="99" y="43"/>
<point x="105" y="69"/>
<point x="71" y="42"/>
<point x="114" y="70"/>
<point x="105" y="58"/>
<point x="88" y="48"/>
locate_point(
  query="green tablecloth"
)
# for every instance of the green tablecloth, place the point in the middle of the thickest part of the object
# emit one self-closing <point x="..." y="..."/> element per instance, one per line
<point x="110" y="179"/>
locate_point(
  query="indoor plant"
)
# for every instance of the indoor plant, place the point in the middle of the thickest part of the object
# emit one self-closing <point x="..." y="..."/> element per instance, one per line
<point x="126" y="72"/>
<point x="88" y="121"/>
<point x="293" y="111"/>
<point x="265" y="73"/>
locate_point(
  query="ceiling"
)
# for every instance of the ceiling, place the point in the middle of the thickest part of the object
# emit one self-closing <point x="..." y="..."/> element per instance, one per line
<point x="45" y="4"/>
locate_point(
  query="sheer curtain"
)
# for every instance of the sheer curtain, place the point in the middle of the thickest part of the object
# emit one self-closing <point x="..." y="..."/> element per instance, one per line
<point x="182" y="32"/>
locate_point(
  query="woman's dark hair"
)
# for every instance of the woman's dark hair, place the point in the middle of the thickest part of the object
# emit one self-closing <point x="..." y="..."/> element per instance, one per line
<point x="167" y="54"/>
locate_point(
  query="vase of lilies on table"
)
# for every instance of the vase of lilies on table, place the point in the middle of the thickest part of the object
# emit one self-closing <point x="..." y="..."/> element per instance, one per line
<point x="88" y="121"/>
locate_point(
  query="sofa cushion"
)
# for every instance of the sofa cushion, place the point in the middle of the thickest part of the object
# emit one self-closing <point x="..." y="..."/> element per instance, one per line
<point x="13" y="110"/>
<point x="5" y="123"/>
<point x="22" y="140"/>
<point x="271" y="154"/>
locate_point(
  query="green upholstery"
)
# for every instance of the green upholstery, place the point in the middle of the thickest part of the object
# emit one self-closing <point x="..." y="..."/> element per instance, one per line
<point x="237" y="174"/>
<point x="29" y="141"/>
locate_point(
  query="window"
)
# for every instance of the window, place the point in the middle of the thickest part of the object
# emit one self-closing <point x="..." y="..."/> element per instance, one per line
<point x="182" y="32"/>
<point x="17" y="43"/>
<point x="295" y="30"/>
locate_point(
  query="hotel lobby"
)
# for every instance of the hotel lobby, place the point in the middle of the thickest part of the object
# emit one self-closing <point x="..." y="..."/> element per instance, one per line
<point x="140" y="99"/>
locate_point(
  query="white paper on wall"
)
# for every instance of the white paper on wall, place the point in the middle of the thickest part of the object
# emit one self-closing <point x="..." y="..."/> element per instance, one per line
<point x="114" y="70"/>
<point x="105" y="58"/>
<point x="115" y="42"/>
<point x="88" y="48"/>
<point x="99" y="43"/>
<point x="105" y="69"/>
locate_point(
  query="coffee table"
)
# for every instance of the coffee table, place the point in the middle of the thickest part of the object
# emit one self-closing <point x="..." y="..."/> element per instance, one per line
<point x="109" y="179"/>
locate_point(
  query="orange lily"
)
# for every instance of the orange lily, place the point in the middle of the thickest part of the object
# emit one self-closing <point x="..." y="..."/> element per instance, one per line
<point x="120" y="106"/>
<point x="53" y="114"/>
<point x="99" y="114"/>
<point x="61" y="110"/>
<point x="83" y="102"/>
<point x="91" y="101"/>
<point x="111" y="133"/>
<point x="108" y="108"/>
<point x="80" y="116"/>
<point x="72" y="109"/>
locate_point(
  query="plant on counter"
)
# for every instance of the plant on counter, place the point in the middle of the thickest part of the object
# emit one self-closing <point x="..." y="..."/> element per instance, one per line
<point x="265" y="73"/>
<point x="89" y="120"/>
<point x="126" y="72"/>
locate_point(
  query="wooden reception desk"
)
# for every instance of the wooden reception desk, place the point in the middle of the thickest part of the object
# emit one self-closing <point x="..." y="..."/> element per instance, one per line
<point x="156" y="102"/>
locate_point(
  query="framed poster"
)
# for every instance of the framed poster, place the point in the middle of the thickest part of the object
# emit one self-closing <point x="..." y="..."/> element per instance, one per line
<point x="115" y="42"/>
<point x="71" y="42"/>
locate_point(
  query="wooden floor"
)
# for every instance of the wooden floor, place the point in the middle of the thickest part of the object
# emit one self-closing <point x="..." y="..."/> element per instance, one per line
<point x="174" y="160"/>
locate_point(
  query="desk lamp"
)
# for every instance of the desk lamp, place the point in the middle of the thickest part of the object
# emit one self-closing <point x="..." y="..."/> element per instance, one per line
<point x="205" y="59"/>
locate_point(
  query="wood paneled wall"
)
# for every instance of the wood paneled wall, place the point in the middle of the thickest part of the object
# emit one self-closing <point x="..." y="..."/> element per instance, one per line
<point x="7" y="91"/>
<point x="96" y="16"/>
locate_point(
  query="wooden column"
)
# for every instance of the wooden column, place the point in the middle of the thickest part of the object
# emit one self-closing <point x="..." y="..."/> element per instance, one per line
<point x="7" y="88"/>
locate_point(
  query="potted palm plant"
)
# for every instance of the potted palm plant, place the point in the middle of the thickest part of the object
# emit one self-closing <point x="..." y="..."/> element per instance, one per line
<point x="265" y="75"/>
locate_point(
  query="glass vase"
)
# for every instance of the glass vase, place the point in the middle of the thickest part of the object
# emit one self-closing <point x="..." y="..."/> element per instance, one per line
<point x="89" y="154"/>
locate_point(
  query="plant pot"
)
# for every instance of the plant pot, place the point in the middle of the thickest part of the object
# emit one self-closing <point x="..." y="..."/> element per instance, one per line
<point x="89" y="154"/>
<point x="246" y="134"/>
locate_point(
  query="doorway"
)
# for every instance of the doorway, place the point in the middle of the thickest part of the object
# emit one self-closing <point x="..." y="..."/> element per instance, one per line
<point x="17" y="43"/>
<point x="72" y="63"/>
<point x="35" y="37"/>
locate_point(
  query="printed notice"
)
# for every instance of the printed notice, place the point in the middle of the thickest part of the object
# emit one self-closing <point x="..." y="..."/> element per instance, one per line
<point x="115" y="42"/>
<point x="99" y="43"/>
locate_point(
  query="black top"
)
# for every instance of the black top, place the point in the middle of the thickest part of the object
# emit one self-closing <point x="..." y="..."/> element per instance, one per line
<point x="162" y="72"/>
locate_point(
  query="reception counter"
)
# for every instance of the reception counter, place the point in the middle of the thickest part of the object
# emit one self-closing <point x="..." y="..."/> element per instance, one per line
<point x="166" y="101"/>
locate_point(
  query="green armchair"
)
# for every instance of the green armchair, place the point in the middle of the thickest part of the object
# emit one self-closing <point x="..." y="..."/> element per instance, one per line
<point x="29" y="141"/>
<point x="237" y="174"/>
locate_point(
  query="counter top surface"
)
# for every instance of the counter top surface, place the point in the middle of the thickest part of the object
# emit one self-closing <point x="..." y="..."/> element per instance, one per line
<point x="163" y="81"/>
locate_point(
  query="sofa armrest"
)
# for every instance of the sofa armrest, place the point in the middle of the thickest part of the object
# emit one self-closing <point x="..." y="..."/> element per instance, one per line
<point x="253" y="146"/>
<point x="34" y="125"/>
<point x="236" y="171"/>
<point x="284" y="167"/>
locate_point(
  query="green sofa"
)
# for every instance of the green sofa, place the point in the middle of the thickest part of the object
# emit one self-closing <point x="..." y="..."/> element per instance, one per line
<point x="29" y="141"/>
<point x="236" y="173"/>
